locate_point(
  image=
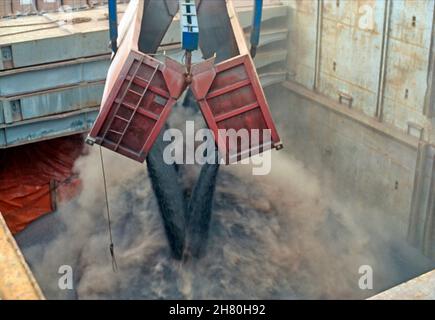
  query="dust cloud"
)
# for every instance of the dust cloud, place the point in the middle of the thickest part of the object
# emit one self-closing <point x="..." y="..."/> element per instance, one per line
<point x="279" y="236"/>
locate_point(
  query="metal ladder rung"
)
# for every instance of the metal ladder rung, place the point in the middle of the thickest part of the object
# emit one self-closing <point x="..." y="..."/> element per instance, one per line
<point x="121" y="118"/>
<point x="148" y="82"/>
<point x="144" y="112"/>
<point x="125" y="104"/>
<point x="116" y="132"/>
<point x="123" y="96"/>
<point x="151" y="87"/>
<point x="129" y="107"/>
<point x="137" y="104"/>
<point x="134" y="92"/>
<point x="131" y="78"/>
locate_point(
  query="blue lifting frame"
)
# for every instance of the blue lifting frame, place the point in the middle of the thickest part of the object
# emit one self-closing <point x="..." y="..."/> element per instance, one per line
<point x="113" y="25"/>
<point x="189" y="25"/>
<point x="256" y="26"/>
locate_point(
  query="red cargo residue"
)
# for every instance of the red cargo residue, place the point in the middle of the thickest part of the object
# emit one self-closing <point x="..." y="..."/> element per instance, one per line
<point x="138" y="105"/>
<point x="231" y="97"/>
<point x="36" y="176"/>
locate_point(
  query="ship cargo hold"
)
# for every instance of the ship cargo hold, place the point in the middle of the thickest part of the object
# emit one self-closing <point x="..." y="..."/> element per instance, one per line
<point x="116" y="120"/>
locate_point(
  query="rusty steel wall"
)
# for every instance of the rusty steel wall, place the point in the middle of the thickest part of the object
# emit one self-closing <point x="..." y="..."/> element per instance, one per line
<point x="75" y="3"/>
<point x="47" y="5"/>
<point x="373" y="56"/>
<point x="23" y="6"/>
<point x="302" y="41"/>
<point x="351" y="53"/>
<point x="406" y="81"/>
<point x="5" y="8"/>
<point x="97" y="2"/>
<point x="362" y="101"/>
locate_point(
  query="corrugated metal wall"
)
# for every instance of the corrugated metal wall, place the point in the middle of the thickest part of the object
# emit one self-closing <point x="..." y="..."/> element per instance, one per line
<point x="379" y="56"/>
<point x="351" y="52"/>
<point x="374" y="54"/>
<point x="407" y="65"/>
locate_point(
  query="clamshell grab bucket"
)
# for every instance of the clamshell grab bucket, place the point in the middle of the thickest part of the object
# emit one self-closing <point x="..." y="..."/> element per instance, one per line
<point x="141" y="91"/>
<point x="234" y="106"/>
<point x="138" y="105"/>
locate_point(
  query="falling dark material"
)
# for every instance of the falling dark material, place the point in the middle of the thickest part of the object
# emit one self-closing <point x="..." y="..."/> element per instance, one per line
<point x="170" y="196"/>
<point x="199" y="211"/>
<point x="268" y="239"/>
<point x="195" y="217"/>
<point x="182" y="222"/>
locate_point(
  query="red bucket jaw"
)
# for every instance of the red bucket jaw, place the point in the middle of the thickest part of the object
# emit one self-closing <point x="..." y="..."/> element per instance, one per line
<point x="234" y="106"/>
<point x="138" y="105"/>
<point x="145" y="90"/>
<point x="174" y="74"/>
<point x="141" y="91"/>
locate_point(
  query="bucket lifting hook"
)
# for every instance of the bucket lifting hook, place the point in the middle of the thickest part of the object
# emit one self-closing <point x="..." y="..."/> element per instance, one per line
<point x="189" y="33"/>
